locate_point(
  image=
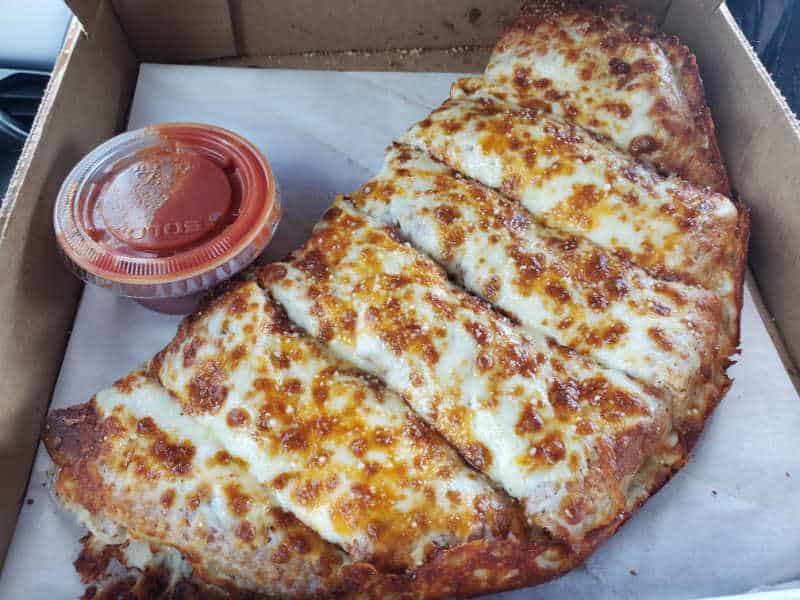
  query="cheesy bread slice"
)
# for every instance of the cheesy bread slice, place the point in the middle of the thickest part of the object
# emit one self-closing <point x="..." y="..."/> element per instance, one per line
<point x="614" y="75"/>
<point x="340" y="452"/>
<point x="554" y="284"/>
<point x="573" y="183"/>
<point x="553" y="429"/>
<point x="133" y="466"/>
<point x="160" y="491"/>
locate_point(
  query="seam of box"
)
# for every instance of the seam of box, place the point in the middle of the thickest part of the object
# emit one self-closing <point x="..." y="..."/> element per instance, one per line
<point x="235" y="18"/>
<point x="663" y="19"/>
<point x="86" y="18"/>
<point x="751" y="283"/>
<point x="125" y="32"/>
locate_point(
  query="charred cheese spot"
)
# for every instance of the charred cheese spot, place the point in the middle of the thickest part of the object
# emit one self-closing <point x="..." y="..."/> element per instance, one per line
<point x="314" y="266"/>
<point x="544" y="453"/>
<point x="224" y="458"/>
<point x="564" y="396"/>
<point x="167" y="498"/>
<point x="237" y="417"/>
<point x="174" y="457"/>
<point x="126" y="384"/>
<point x="245" y="531"/>
<point x="206" y="389"/>
<point x="671" y="292"/>
<point x="619" y="109"/>
<point x="644" y="144"/>
<point x="660" y="309"/>
<point x="481" y="333"/>
<point x="607" y="335"/>
<point x="200" y="496"/>
<point x="597" y="301"/>
<point x="618" y="66"/>
<point x="239" y="503"/>
<point x="661" y="338"/>
<point x="492" y="288"/>
<point x="529" y="421"/>
<point x="271" y="273"/>
<point x="281" y="481"/>
<point x="522" y="77"/>
<point x="557" y="291"/>
<point x="477" y="455"/>
<point x="577" y="209"/>
<point x="529" y="266"/>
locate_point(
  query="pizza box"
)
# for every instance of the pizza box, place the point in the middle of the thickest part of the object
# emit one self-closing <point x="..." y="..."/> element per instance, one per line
<point x="89" y="100"/>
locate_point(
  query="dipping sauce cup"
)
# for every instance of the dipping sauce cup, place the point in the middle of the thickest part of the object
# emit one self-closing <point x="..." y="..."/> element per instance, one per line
<point x="163" y="213"/>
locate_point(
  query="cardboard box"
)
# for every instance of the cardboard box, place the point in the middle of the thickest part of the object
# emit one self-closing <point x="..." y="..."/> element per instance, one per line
<point x="92" y="86"/>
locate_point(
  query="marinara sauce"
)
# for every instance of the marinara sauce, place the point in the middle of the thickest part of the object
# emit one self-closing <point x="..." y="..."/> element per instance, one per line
<point x="163" y="213"/>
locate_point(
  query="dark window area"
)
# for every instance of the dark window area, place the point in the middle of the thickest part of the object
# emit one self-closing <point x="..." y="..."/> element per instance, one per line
<point x="773" y="28"/>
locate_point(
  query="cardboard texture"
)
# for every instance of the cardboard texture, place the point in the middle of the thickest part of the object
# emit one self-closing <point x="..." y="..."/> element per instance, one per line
<point x="166" y="30"/>
<point x="336" y="26"/>
<point x="92" y="86"/>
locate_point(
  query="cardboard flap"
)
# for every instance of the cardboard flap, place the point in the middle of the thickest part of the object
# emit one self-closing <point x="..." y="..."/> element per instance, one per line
<point x="174" y="30"/>
<point x="265" y="27"/>
<point x="760" y="137"/>
<point x="164" y="30"/>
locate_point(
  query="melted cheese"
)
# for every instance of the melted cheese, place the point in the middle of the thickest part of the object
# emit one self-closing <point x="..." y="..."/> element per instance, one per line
<point x="615" y="77"/>
<point x="552" y="428"/>
<point x="133" y="458"/>
<point x="553" y="284"/>
<point x="572" y="183"/>
<point x="341" y="453"/>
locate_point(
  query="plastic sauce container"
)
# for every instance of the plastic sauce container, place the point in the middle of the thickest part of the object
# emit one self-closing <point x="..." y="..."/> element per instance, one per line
<point x="163" y="213"/>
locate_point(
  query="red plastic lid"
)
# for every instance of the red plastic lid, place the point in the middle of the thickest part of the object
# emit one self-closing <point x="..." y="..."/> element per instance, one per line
<point x="167" y="210"/>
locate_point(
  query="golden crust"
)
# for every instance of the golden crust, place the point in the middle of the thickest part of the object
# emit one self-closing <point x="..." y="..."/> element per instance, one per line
<point x="743" y="239"/>
<point x="477" y="568"/>
<point x="468" y="570"/>
<point x="704" y="165"/>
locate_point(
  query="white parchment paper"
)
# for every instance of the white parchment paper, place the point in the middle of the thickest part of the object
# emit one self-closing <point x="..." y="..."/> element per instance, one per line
<point x="728" y="523"/>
